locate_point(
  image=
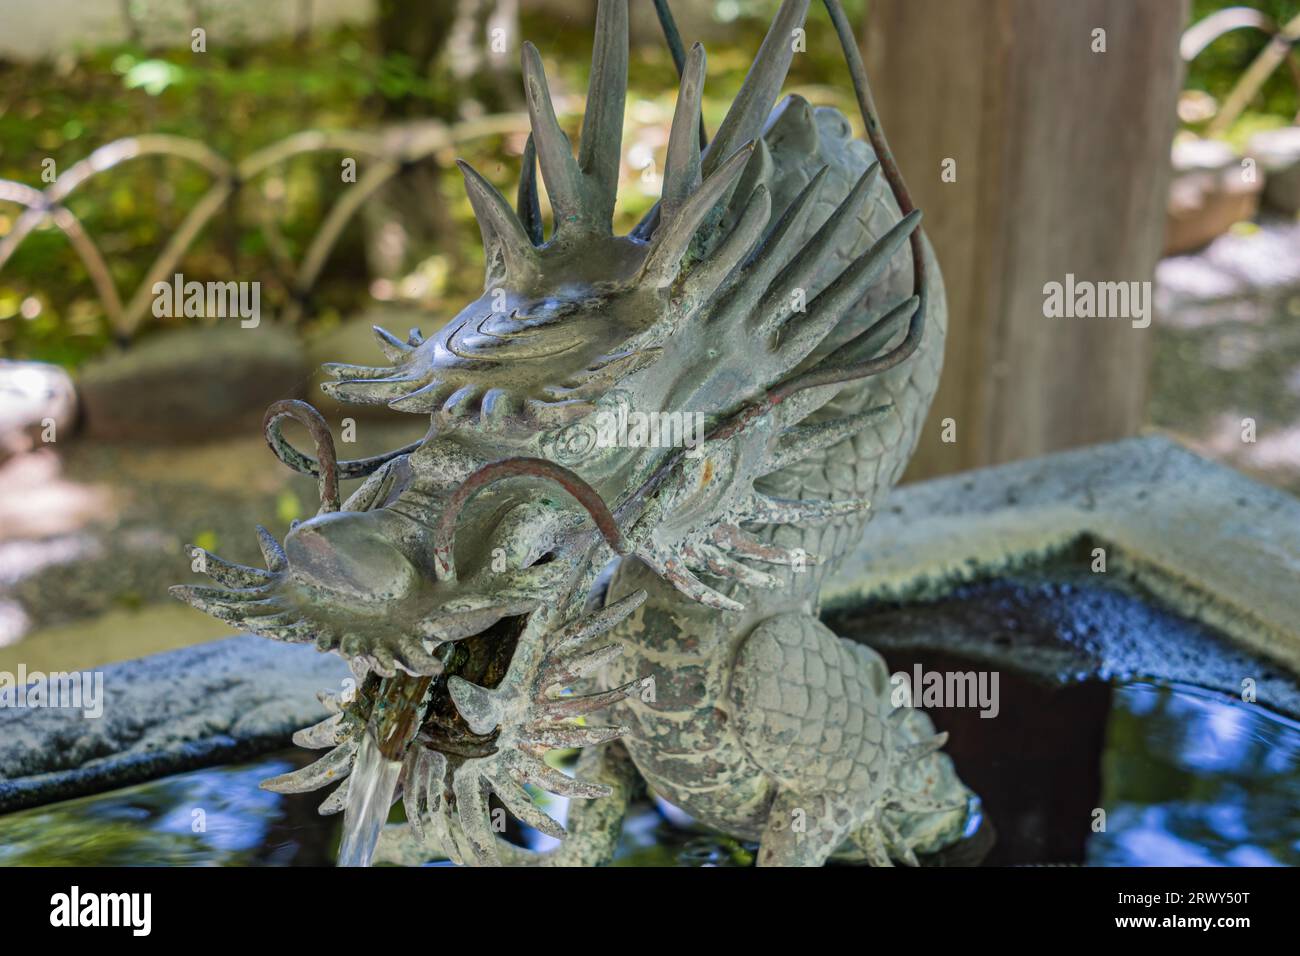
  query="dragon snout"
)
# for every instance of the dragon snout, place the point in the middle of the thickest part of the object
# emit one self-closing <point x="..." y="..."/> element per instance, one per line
<point x="356" y="554"/>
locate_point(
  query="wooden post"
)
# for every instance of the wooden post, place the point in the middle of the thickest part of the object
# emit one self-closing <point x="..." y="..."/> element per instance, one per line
<point x="1061" y="161"/>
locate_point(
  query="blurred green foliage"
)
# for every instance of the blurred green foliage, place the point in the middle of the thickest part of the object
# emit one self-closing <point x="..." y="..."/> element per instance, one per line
<point x="238" y="97"/>
<point x="1216" y="70"/>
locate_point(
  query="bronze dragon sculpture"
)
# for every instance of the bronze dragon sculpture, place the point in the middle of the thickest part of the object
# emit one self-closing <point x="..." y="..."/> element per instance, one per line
<point x="516" y="572"/>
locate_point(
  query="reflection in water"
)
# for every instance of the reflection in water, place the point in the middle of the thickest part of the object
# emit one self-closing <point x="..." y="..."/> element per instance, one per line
<point x="1190" y="780"/>
<point x="213" y="817"/>
<point x="1185" y="777"/>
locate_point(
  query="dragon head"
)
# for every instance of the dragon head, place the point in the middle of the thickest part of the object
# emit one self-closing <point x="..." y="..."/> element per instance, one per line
<point x="455" y="578"/>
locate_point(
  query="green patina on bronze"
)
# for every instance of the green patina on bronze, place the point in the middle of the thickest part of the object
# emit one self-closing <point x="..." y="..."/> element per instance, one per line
<point x="769" y="292"/>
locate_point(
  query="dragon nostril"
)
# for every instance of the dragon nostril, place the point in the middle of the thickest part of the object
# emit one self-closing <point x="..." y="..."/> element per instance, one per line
<point x="349" y="553"/>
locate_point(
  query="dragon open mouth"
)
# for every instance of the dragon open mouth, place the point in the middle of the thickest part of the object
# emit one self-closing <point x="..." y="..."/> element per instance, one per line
<point x="447" y="712"/>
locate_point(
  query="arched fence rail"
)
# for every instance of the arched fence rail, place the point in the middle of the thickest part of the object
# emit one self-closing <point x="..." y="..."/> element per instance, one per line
<point x="387" y="152"/>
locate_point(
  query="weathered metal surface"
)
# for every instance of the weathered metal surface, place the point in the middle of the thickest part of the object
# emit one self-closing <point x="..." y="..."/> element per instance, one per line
<point x="767" y="296"/>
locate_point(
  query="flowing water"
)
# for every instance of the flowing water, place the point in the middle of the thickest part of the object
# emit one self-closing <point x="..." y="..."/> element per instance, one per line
<point x="371" y="786"/>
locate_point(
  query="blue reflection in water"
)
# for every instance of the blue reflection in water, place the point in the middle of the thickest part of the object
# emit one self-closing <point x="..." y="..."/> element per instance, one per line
<point x="1188" y="778"/>
<point x="216" y="816"/>
<point x="1192" y="778"/>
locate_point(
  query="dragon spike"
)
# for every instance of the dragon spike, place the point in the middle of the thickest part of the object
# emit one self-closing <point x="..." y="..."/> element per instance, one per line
<point x="422" y="795"/>
<point x="509" y="251"/>
<point x="282" y="627"/>
<point x="671" y="569"/>
<point x="334" y="766"/>
<point x="330" y="732"/>
<point x="758" y="172"/>
<point x="872" y="842"/>
<point x="561" y="736"/>
<point x="781" y="243"/>
<point x="351" y="373"/>
<point x="766" y="510"/>
<point x="599" y="622"/>
<point x="750" y="109"/>
<point x="519" y="803"/>
<point x="527" y="204"/>
<point x="471" y="791"/>
<point x="710" y="274"/>
<point x="423" y="400"/>
<point x="682" y="164"/>
<point x="673" y="237"/>
<point x="897" y="843"/>
<point x="223" y="604"/>
<point x="601" y="148"/>
<point x="773" y="310"/>
<point x="230" y="575"/>
<point x="802" y="441"/>
<point x="922" y="749"/>
<point x="559" y="708"/>
<point x="715" y="562"/>
<point x="371" y="391"/>
<point x="565" y="670"/>
<point x="394" y="349"/>
<point x="532" y="769"/>
<point x="731" y="540"/>
<point x="554" y="155"/>
<point x="805" y="332"/>
<point x="595" y="382"/>
<point x="337" y="801"/>
<point x="868" y="343"/>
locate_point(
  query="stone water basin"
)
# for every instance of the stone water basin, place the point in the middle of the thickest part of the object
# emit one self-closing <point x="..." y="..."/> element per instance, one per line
<point x="1185" y="775"/>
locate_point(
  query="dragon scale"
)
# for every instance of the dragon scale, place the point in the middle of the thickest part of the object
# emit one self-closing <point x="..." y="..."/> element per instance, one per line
<point x="512" y="585"/>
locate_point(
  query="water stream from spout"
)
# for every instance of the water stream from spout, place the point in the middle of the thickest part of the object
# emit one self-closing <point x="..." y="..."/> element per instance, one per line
<point x="370" y="795"/>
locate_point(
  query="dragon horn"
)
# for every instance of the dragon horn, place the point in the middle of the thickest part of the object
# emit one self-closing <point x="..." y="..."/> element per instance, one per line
<point x="750" y="109"/>
<point x="559" y="170"/>
<point x="682" y="165"/>
<point x="709" y="275"/>
<point x="829" y="238"/>
<point x="601" y="148"/>
<point x="673" y="237"/>
<point x="805" y="331"/>
<point x="801" y="442"/>
<point x="528" y="204"/>
<point x="506" y="245"/>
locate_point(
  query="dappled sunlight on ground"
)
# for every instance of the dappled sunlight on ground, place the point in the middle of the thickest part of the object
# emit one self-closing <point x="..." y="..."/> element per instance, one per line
<point x="40" y="501"/>
<point x="1225" y="376"/>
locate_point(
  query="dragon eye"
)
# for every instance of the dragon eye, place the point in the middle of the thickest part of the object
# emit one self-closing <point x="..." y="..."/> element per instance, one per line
<point x="572" y="444"/>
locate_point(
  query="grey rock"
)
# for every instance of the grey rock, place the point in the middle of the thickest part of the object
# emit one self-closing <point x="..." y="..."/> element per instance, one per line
<point x="163" y="714"/>
<point x="189" y="384"/>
